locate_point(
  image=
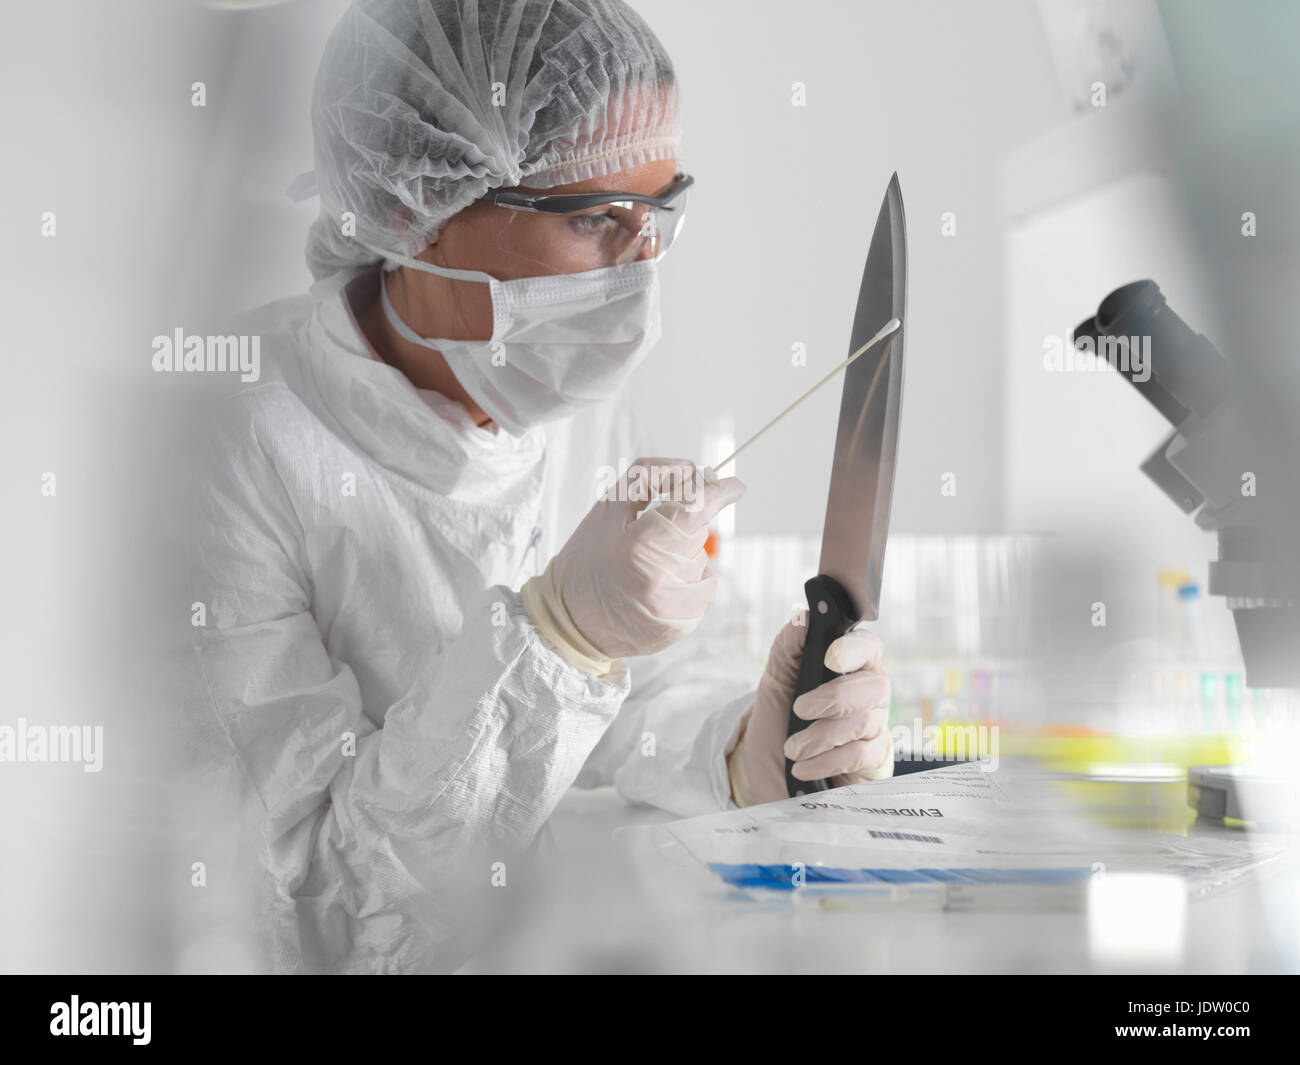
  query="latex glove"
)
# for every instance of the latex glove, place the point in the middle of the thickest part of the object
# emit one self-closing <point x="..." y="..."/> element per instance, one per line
<point x="632" y="579"/>
<point x="849" y="739"/>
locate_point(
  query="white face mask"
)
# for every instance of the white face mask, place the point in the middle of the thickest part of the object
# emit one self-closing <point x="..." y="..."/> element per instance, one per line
<point x="560" y="342"/>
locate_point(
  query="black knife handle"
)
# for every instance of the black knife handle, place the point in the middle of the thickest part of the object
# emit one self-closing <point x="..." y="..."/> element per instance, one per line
<point x="831" y="613"/>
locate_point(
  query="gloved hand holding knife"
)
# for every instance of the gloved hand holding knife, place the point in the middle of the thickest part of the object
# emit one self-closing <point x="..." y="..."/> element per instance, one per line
<point x="848" y="739"/>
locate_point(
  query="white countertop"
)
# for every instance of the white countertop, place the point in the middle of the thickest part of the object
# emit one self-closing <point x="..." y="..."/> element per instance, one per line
<point x="600" y="911"/>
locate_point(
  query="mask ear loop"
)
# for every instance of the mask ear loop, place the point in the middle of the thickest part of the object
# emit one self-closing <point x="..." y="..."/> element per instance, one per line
<point x="395" y="320"/>
<point x="391" y="260"/>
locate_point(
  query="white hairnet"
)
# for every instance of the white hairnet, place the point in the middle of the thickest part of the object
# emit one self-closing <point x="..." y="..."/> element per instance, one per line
<point x="421" y="106"/>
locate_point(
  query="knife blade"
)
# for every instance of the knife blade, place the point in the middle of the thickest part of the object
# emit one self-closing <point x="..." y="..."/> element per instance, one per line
<point x="856" y="528"/>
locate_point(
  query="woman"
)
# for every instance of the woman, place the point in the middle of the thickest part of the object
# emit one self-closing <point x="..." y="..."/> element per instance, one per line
<point x="431" y="427"/>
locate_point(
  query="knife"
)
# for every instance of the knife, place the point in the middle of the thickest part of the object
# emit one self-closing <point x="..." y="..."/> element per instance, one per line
<point x="847" y="588"/>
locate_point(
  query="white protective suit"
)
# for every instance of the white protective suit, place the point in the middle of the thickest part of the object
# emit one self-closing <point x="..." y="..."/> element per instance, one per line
<point x="359" y="549"/>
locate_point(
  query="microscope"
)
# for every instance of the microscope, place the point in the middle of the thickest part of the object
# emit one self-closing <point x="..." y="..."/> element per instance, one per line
<point x="1231" y="461"/>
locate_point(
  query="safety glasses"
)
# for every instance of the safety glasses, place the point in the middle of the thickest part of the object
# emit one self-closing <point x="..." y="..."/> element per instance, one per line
<point x="616" y="227"/>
